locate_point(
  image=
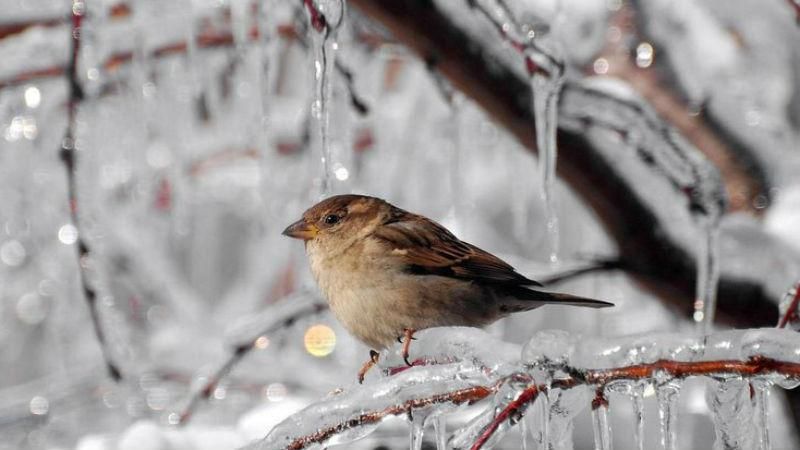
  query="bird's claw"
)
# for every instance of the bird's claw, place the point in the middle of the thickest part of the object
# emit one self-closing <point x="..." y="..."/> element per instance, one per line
<point x="373" y="359"/>
<point x="408" y="336"/>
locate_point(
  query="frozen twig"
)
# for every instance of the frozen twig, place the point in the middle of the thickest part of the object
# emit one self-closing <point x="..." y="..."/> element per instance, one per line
<point x="791" y="312"/>
<point x="68" y="157"/>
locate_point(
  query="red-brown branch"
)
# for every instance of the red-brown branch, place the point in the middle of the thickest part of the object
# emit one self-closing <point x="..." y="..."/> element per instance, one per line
<point x="600" y="377"/>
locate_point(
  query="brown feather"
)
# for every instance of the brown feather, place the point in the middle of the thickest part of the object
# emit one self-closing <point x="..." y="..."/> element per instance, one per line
<point x="429" y="249"/>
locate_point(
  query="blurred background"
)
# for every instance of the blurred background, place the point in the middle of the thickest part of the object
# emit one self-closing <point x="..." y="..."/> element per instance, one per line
<point x="198" y="138"/>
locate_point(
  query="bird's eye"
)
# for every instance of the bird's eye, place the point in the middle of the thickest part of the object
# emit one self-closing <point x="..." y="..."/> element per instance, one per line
<point x="331" y="219"/>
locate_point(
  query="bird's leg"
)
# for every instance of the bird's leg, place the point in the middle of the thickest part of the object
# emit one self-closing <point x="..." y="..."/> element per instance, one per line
<point x="373" y="359"/>
<point x="408" y="336"/>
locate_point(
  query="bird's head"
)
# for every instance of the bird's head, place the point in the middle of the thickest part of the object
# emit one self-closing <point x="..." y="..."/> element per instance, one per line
<point x="339" y="220"/>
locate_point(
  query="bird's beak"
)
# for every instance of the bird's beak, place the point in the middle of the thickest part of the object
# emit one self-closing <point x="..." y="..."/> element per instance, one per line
<point x="301" y="230"/>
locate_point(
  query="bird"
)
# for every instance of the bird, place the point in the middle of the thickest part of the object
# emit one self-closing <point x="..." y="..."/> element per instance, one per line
<point x="387" y="273"/>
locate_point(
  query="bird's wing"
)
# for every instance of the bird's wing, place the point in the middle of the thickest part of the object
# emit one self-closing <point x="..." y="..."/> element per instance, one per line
<point x="429" y="249"/>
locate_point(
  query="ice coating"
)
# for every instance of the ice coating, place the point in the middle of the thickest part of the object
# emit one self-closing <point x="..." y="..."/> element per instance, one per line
<point x="353" y="414"/>
<point x="639" y="349"/>
<point x="775" y="343"/>
<point x="445" y="344"/>
<point x="550" y="349"/>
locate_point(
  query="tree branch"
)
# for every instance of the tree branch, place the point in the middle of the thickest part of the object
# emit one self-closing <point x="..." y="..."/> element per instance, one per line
<point x="656" y="246"/>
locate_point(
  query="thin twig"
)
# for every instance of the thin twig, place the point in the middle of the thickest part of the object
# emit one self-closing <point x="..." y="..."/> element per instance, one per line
<point x="207" y="39"/>
<point x="239" y="352"/>
<point x="67" y="154"/>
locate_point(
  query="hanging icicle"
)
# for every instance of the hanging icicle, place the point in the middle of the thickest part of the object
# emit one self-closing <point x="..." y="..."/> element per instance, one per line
<point x="326" y="17"/>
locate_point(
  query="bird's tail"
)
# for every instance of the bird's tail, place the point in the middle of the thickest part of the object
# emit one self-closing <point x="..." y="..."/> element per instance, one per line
<point x="524" y="298"/>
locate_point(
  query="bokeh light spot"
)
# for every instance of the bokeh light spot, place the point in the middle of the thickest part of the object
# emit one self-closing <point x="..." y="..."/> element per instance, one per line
<point x="320" y="340"/>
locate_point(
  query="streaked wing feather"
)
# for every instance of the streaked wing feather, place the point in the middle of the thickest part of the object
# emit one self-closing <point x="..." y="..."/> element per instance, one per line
<point x="428" y="248"/>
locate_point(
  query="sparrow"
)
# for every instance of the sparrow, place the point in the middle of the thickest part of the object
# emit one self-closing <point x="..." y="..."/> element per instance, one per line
<point x="387" y="273"/>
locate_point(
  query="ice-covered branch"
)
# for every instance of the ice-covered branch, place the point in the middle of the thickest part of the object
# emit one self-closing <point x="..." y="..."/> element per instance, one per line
<point x="465" y="365"/>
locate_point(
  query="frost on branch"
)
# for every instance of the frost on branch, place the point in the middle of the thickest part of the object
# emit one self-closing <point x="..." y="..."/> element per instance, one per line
<point x="457" y="366"/>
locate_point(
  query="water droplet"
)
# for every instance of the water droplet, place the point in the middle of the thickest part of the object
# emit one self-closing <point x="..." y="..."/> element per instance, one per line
<point x="68" y="234"/>
<point x="157" y="399"/>
<point x="340" y="172"/>
<point x="31" y="308"/>
<point x="275" y="392"/>
<point x="39" y="406"/>
<point x="644" y="55"/>
<point x="261" y="343"/>
<point x="12" y="253"/>
<point x="33" y="97"/>
<point x="600" y="66"/>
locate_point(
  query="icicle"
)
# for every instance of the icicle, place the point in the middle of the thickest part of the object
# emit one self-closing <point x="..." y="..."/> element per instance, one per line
<point x="523" y="433"/>
<point x="466" y="436"/>
<point x="326" y="16"/>
<point x="564" y="406"/>
<point x="440" y="430"/>
<point x="761" y="391"/>
<point x="602" y="428"/>
<point x="545" y="90"/>
<point x="707" y="278"/>
<point x="667" y="394"/>
<point x="729" y="402"/>
<point x="544" y="401"/>
<point x="637" y="395"/>
<point x="416" y="431"/>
